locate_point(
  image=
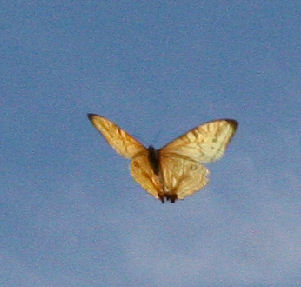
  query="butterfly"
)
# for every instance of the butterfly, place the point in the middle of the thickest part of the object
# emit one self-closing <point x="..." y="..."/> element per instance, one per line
<point x="176" y="170"/>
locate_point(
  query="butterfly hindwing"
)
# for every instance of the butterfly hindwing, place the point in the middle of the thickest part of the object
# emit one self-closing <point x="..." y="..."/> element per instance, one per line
<point x="144" y="174"/>
<point x="182" y="176"/>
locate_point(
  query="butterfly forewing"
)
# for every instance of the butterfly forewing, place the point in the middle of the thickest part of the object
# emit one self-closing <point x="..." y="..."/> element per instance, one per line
<point x="206" y="143"/>
<point x="120" y="140"/>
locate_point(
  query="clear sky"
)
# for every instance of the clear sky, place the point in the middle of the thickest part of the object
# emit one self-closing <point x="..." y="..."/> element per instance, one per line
<point x="70" y="213"/>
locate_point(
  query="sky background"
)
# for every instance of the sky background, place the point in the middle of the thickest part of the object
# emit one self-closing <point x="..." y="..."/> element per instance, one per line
<point x="70" y="213"/>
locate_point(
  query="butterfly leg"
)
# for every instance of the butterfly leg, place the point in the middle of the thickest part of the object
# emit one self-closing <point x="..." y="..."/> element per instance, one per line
<point x="161" y="197"/>
<point x="172" y="198"/>
<point x="168" y="195"/>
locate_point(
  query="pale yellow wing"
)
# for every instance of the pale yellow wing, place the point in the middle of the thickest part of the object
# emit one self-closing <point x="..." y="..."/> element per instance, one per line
<point x="143" y="173"/>
<point x="205" y="143"/>
<point x="181" y="176"/>
<point x="120" y="140"/>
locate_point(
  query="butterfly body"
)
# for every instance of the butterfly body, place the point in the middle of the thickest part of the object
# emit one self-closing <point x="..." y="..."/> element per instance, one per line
<point x="176" y="170"/>
<point x="153" y="156"/>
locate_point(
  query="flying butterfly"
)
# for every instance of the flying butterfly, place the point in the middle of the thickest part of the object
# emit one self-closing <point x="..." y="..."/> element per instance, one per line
<point x="176" y="170"/>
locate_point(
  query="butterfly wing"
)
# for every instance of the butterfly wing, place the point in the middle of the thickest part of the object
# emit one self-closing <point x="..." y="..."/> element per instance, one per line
<point x="182" y="176"/>
<point x="181" y="160"/>
<point x="143" y="173"/>
<point x="129" y="147"/>
<point x="205" y="143"/>
<point x="120" y="140"/>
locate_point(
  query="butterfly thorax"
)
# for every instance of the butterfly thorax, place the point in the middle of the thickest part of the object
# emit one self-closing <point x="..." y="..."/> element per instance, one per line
<point x="153" y="157"/>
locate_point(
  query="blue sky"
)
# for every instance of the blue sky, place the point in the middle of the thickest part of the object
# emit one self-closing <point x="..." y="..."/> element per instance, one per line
<point x="70" y="213"/>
